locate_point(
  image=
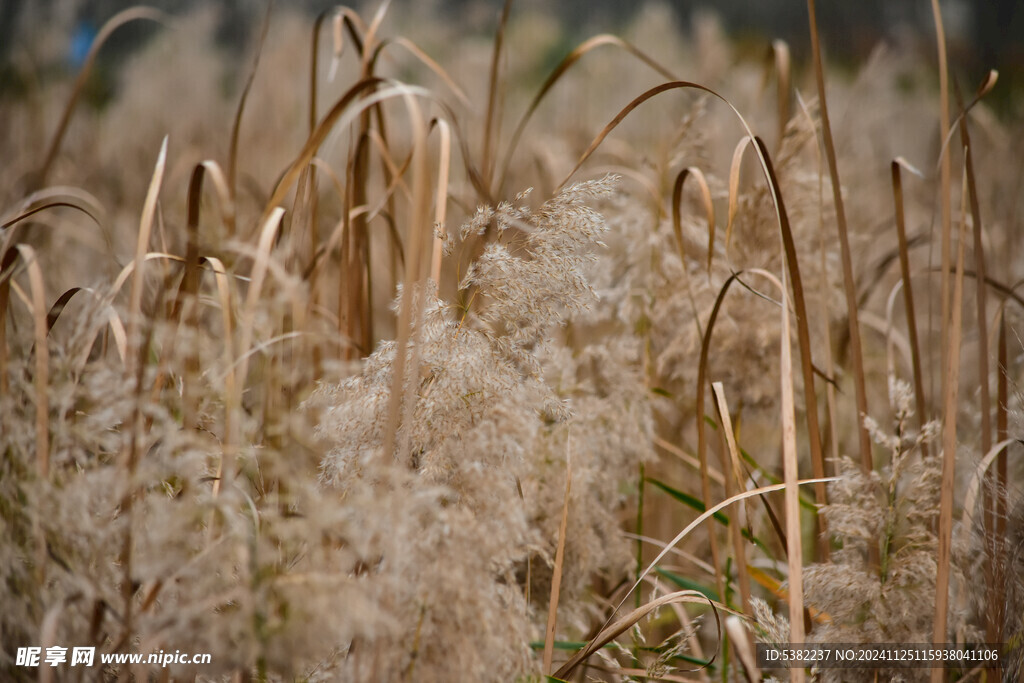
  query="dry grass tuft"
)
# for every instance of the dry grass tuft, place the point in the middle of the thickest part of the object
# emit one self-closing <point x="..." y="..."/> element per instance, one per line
<point x="287" y="376"/>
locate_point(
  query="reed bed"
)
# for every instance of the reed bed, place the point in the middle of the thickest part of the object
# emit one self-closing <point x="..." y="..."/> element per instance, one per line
<point x="398" y="350"/>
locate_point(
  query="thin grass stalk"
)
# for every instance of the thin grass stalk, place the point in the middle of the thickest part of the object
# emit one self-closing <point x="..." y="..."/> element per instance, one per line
<point x="636" y="102"/>
<point x="701" y="429"/>
<point x="783" y="69"/>
<point x="393" y="172"/>
<point x="995" y="597"/>
<point x="350" y="272"/>
<point x="441" y="197"/>
<point x="386" y="206"/>
<point x="556" y="575"/>
<point x="1001" y="507"/>
<point x="129" y="270"/>
<point x="358" y="264"/>
<point x="945" y="188"/>
<point x="688" y="459"/>
<point x="411" y="308"/>
<point x="640" y="490"/>
<point x="429" y="62"/>
<point x="135" y="363"/>
<point x="342" y="113"/>
<point x="738" y="546"/>
<point x="315" y="293"/>
<point x="981" y="289"/>
<point x="300" y="233"/>
<point x="141" y="248"/>
<point x="908" y="298"/>
<point x="343" y="19"/>
<point x="389" y="201"/>
<point x="993" y="494"/>
<point x="1000" y="288"/>
<point x="492" y="126"/>
<point x="849" y="283"/>
<point x="739" y="636"/>
<point x="826" y="316"/>
<point x="29" y="212"/>
<point x="326" y="249"/>
<point x="368" y="49"/>
<point x="804" y="340"/>
<point x="236" y="124"/>
<point x="338" y="39"/>
<point x="702" y="447"/>
<point x="949" y="442"/>
<point x="791" y="474"/>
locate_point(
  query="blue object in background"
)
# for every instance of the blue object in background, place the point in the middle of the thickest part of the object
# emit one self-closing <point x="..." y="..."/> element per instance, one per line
<point x="81" y="41"/>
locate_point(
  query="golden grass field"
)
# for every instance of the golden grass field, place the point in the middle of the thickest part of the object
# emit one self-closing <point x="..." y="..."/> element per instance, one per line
<point x="396" y="349"/>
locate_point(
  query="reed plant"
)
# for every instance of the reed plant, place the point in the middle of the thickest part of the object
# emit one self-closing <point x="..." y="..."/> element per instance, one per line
<point x="292" y="375"/>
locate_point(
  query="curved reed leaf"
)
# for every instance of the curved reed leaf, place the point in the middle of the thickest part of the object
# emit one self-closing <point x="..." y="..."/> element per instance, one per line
<point x="341" y="17"/>
<point x="444" y="163"/>
<point x="734" y="186"/>
<point x="574" y="56"/>
<point x="945" y="189"/>
<point x="803" y="338"/>
<point x="611" y="631"/>
<point x="700" y="520"/>
<point x="709" y="211"/>
<point x="317" y="137"/>
<point x="417" y="52"/>
<point x="28" y="213"/>
<point x="981" y="291"/>
<point x="686" y="499"/>
<point x="58" y="307"/>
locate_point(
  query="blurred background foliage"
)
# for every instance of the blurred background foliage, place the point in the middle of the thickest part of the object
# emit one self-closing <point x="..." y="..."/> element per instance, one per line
<point x="981" y="35"/>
